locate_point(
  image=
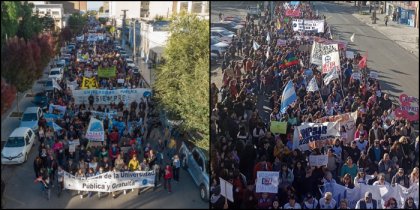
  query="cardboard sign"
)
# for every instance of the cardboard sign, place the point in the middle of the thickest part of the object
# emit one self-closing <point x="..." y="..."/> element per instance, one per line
<point x="267" y="181"/>
<point x="373" y="75"/>
<point x="350" y="54"/>
<point x="356" y="75"/>
<point x="226" y="189"/>
<point x="318" y="160"/>
<point x="292" y="12"/>
<point x="281" y="42"/>
<point x="278" y="127"/>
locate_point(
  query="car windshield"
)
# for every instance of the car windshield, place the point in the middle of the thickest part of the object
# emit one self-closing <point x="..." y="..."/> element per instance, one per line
<point x="54" y="73"/>
<point x="29" y="117"/>
<point x="15" y="142"/>
<point x="225" y="33"/>
<point x="49" y="83"/>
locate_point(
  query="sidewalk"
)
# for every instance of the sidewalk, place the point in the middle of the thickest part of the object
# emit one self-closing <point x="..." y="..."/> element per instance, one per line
<point x="405" y="36"/>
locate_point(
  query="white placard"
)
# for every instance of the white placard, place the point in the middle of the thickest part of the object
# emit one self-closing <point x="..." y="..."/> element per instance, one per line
<point x="373" y="75"/>
<point x="350" y="54"/>
<point x="330" y="61"/>
<point x="120" y="80"/>
<point x="318" y="160"/>
<point x="103" y="96"/>
<point x="226" y="189"/>
<point x="310" y="25"/>
<point x="267" y="181"/>
<point x="356" y="75"/>
<point x="320" y="49"/>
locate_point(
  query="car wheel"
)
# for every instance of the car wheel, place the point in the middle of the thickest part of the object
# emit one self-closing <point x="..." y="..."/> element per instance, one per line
<point x="203" y="193"/>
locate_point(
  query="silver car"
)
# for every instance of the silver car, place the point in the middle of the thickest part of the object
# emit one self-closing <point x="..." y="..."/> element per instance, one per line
<point x="196" y="162"/>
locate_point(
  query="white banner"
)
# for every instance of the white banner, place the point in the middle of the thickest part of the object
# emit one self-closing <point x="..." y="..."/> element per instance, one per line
<point x="103" y="96"/>
<point x="267" y="181"/>
<point x="102" y="115"/>
<point x="310" y="25"/>
<point x="226" y="189"/>
<point x="356" y="75"/>
<point x="110" y="181"/>
<point x="318" y="160"/>
<point x="320" y="49"/>
<point x="373" y="75"/>
<point x="330" y="61"/>
<point x="314" y="135"/>
<point x="348" y="120"/>
<point x="350" y="54"/>
<point x="95" y="131"/>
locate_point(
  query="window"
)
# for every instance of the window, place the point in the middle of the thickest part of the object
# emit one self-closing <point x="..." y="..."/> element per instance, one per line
<point x="30" y="134"/>
<point x="183" y="6"/>
<point x="55" y="13"/>
<point x="27" y="140"/>
<point x="196" y="6"/>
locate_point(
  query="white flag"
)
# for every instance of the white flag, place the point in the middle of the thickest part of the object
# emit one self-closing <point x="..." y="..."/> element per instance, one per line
<point x="256" y="46"/>
<point x="352" y="38"/>
<point x="268" y="38"/>
<point x="267" y="55"/>
<point x="312" y="86"/>
<point x="330" y="76"/>
<point x="55" y="84"/>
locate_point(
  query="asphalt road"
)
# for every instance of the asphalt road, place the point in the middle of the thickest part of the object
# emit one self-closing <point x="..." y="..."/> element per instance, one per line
<point x="22" y="192"/>
<point x="398" y="69"/>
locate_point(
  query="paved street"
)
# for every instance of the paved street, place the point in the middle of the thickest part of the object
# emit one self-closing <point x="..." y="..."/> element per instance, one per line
<point x="398" y="68"/>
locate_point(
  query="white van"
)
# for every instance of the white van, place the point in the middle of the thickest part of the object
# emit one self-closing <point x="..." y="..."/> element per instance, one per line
<point x="18" y="146"/>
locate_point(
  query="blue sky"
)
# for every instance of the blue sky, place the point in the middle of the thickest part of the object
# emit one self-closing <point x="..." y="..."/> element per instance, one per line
<point x="94" y="5"/>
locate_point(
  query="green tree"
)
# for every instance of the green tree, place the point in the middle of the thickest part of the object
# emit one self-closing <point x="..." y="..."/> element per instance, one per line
<point x="10" y="13"/>
<point x="76" y="23"/>
<point x="101" y="9"/>
<point x="30" y="25"/>
<point x="48" y="23"/>
<point x="182" y="82"/>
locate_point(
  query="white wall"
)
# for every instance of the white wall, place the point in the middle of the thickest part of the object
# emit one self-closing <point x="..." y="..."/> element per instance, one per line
<point x="133" y="8"/>
<point x="161" y="8"/>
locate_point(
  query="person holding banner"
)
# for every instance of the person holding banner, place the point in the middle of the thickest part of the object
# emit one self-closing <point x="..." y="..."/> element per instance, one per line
<point x="367" y="202"/>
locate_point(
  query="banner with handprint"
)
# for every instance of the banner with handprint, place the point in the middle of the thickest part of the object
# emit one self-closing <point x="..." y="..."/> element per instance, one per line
<point x="95" y="131"/>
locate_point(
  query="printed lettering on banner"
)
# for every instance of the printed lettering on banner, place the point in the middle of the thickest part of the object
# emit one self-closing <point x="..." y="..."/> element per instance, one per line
<point x="407" y="110"/>
<point x="226" y="189"/>
<point x="348" y="120"/>
<point x="103" y="96"/>
<point x="318" y="160"/>
<point x="110" y="181"/>
<point x="281" y="42"/>
<point x="95" y="131"/>
<point x="330" y="61"/>
<point x="308" y="25"/>
<point x="320" y="49"/>
<point x="314" y="135"/>
<point x="267" y="181"/>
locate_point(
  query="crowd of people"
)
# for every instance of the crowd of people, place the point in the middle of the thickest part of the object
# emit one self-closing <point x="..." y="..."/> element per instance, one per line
<point x="384" y="150"/>
<point x="143" y="143"/>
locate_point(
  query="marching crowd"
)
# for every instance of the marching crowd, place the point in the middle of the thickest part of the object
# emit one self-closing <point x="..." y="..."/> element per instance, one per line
<point x="143" y="146"/>
<point x="384" y="150"/>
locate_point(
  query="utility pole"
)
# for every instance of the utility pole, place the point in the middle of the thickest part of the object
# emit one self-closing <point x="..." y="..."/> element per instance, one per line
<point x="123" y="28"/>
<point x="134" y="39"/>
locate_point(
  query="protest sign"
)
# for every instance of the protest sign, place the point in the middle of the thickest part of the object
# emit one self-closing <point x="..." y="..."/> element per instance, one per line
<point x="103" y="115"/>
<point x="308" y="25"/>
<point x="281" y="42"/>
<point x="88" y="74"/>
<point x="120" y="81"/>
<point x="107" y="72"/>
<point x="348" y="120"/>
<point x="330" y="61"/>
<point x="72" y="148"/>
<point x="356" y="75"/>
<point x="292" y="12"/>
<point x="110" y="181"/>
<point x="314" y="135"/>
<point x="89" y="83"/>
<point x="407" y="110"/>
<point x="278" y="127"/>
<point x="318" y="160"/>
<point x="95" y="131"/>
<point x="51" y="117"/>
<point x="267" y="181"/>
<point x="373" y="75"/>
<point x="350" y="54"/>
<point x="102" y="96"/>
<point x="226" y="189"/>
<point x="319" y="49"/>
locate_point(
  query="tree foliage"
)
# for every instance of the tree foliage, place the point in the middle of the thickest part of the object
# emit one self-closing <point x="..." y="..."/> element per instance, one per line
<point x="8" y="95"/>
<point x="10" y="13"/>
<point x="182" y="82"/>
<point x="30" y="25"/>
<point x="76" y="22"/>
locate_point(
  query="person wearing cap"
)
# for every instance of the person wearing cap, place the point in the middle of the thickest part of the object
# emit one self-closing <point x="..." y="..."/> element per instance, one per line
<point x="367" y="202"/>
<point x="327" y="202"/>
<point x="292" y="204"/>
<point x="310" y="202"/>
<point x="349" y="167"/>
<point x="401" y="179"/>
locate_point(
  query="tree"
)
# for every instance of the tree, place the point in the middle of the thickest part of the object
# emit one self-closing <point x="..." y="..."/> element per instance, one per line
<point x="182" y="82"/>
<point x="10" y="13"/>
<point x="48" y="23"/>
<point x="8" y="95"/>
<point x="101" y="9"/>
<point x="30" y="25"/>
<point x="76" y="23"/>
<point x="103" y="20"/>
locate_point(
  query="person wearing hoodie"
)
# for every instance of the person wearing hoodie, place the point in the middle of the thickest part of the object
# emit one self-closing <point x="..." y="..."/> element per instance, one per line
<point x="168" y="177"/>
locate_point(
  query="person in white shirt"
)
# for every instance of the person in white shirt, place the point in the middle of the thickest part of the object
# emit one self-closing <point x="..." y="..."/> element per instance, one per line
<point x="381" y="181"/>
<point x="310" y="202"/>
<point x="327" y="202"/>
<point x="367" y="202"/>
<point x="362" y="178"/>
<point x="361" y="143"/>
<point x="292" y="204"/>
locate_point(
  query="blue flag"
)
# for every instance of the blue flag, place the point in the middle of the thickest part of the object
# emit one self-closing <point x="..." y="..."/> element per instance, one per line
<point x="288" y="96"/>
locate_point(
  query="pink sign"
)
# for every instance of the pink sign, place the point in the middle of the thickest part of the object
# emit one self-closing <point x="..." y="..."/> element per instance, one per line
<point x="293" y="13"/>
<point x="406" y="110"/>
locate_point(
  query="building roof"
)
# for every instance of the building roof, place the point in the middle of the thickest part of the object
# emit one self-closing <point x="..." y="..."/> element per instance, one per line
<point x="49" y="6"/>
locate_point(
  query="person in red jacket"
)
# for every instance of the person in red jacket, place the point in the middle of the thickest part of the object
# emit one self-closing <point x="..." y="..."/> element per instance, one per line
<point x="114" y="151"/>
<point x="114" y="136"/>
<point x="263" y="165"/>
<point x="168" y="176"/>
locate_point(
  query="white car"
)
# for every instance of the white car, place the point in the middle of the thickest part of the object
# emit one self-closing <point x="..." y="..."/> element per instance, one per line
<point x="218" y="47"/>
<point x="56" y="73"/>
<point x="222" y="33"/>
<point x="226" y="40"/>
<point x="30" y="117"/>
<point x="60" y="63"/>
<point x="18" y="146"/>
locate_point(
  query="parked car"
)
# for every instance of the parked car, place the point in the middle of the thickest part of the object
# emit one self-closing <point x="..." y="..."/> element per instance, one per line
<point x="226" y="40"/>
<point x="48" y="85"/>
<point x="219" y="48"/>
<point x="228" y="25"/>
<point x="214" y="58"/>
<point x="196" y="162"/>
<point x="56" y="73"/>
<point x="222" y="33"/>
<point x="136" y="70"/>
<point x="18" y="146"/>
<point x="41" y="100"/>
<point x="30" y="117"/>
<point x="60" y="63"/>
<point x="235" y="19"/>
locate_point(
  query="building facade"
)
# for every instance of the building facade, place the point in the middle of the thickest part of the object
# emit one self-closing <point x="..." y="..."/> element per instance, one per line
<point x="56" y="11"/>
<point x="71" y="7"/>
<point x="406" y="11"/>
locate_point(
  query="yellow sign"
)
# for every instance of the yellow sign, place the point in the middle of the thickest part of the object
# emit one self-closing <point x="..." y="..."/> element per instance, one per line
<point x="278" y="127"/>
<point x="89" y="83"/>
